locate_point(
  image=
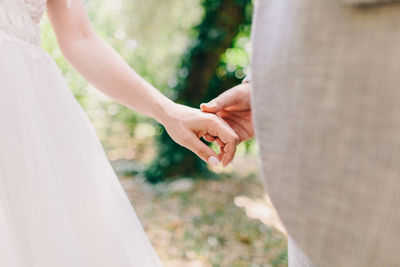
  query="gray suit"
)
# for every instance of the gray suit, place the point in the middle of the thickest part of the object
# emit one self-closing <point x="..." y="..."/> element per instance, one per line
<point x="326" y="99"/>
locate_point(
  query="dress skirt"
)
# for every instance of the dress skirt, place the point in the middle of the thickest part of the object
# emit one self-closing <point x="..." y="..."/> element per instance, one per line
<point x="61" y="204"/>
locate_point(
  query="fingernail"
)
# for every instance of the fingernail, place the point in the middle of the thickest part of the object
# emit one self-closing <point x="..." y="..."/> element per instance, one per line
<point x="213" y="161"/>
<point x="210" y="104"/>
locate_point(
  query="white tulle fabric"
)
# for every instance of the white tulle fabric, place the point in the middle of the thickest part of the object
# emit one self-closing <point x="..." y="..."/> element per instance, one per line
<point x="61" y="205"/>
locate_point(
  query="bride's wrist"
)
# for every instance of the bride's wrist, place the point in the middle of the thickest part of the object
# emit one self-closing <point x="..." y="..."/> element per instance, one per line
<point x="163" y="111"/>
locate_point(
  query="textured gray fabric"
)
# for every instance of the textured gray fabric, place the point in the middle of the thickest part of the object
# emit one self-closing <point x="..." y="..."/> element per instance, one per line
<point x="326" y="99"/>
<point x="368" y="2"/>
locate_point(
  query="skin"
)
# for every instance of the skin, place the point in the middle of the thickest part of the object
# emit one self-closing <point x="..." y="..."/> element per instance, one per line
<point x="234" y="107"/>
<point x="107" y="71"/>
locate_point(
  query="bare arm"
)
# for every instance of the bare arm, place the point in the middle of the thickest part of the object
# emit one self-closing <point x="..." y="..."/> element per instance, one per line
<point x="108" y="72"/>
<point x="99" y="63"/>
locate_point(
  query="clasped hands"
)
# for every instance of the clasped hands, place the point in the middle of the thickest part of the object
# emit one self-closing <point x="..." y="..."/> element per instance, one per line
<point x="226" y="120"/>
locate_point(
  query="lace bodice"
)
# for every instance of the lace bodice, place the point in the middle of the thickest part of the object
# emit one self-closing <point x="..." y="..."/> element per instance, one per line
<point x="20" y="19"/>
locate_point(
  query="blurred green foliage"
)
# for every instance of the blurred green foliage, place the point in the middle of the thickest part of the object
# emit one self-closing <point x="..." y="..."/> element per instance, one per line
<point x="155" y="38"/>
<point x="150" y="35"/>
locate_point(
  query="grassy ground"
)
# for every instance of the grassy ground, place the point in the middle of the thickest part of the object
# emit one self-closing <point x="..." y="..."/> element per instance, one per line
<point x="225" y="222"/>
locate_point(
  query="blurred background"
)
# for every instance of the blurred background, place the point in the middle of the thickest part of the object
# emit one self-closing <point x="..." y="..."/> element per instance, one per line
<point x="192" y="51"/>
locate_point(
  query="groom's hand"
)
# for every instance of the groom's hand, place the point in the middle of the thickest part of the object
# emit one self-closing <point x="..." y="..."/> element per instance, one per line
<point x="187" y="125"/>
<point x="234" y="107"/>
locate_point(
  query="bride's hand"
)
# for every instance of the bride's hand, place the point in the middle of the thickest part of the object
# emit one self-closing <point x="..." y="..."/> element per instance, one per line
<point x="187" y="125"/>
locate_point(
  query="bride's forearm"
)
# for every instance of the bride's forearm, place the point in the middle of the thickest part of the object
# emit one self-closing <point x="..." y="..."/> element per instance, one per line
<point x="108" y="72"/>
<point x="100" y="64"/>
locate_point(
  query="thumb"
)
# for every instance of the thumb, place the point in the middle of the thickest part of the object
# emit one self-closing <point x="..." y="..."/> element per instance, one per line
<point x="210" y="107"/>
<point x="203" y="151"/>
<point x="221" y="102"/>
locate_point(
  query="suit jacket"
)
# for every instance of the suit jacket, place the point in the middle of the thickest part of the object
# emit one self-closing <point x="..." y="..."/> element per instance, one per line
<point x="326" y="100"/>
<point x="368" y="2"/>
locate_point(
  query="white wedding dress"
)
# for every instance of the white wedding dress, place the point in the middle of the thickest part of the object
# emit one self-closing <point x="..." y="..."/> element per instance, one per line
<point x="61" y="204"/>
